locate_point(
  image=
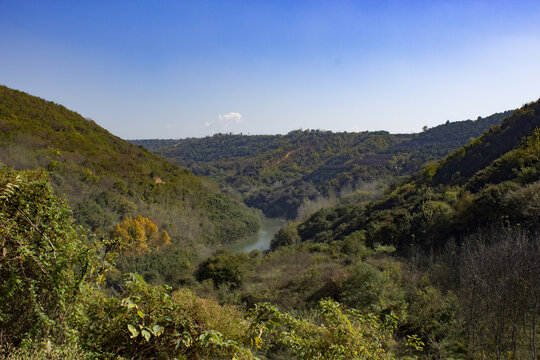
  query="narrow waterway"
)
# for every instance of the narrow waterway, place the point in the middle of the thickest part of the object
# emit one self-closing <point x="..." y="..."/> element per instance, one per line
<point x="259" y="241"/>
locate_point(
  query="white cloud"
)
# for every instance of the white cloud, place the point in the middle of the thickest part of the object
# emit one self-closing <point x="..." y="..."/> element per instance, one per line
<point x="224" y="121"/>
<point x="230" y="117"/>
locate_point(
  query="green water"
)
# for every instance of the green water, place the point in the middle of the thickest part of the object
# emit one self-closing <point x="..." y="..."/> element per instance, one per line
<point x="260" y="240"/>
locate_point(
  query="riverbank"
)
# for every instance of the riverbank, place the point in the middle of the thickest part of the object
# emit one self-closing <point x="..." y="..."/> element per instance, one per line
<point x="260" y="240"/>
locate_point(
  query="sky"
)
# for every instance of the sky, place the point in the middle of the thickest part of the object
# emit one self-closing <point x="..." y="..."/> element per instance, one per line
<point x="176" y="69"/>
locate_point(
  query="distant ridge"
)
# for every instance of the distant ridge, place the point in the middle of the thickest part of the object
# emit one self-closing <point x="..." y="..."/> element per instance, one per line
<point x="280" y="173"/>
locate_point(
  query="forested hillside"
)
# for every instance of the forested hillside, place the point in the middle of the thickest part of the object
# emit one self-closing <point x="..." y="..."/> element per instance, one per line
<point x="466" y="275"/>
<point x="494" y="180"/>
<point x="105" y="179"/>
<point x="280" y="174"/>
<point x="463" y="164"/>
<point x="445" y="261"/>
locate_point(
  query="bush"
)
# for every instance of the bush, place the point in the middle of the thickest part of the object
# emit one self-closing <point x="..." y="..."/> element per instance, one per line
<point x="44" y="260"/>
<point x="364" y="288"/>
<point x="225" y="268"/>
<point x="148" y="322"/>
<point x="334" y="334"/>
<point x="285" y="236"/>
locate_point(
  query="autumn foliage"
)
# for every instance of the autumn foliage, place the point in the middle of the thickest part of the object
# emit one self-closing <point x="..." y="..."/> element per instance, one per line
<point x="139" y="236"/>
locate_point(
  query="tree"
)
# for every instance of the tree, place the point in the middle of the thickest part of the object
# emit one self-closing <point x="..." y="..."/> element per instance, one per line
<point x="500" y="293"/>
<point x="139" y="236"/>
<point x="224" y="268"/>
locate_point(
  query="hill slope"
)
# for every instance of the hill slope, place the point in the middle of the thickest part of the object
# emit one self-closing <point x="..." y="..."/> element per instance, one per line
<point x="106" y="179"/>
<point x="461" y="165"/>
<point x="278" y="173"/>
<point x="492" y="182"/>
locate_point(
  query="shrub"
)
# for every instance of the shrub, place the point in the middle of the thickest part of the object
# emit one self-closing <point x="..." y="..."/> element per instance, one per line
<point x="148" y="322"/>
<point x="225" y="268"/>
<point x="43" y="260"/>
<point x="334" y="334"/>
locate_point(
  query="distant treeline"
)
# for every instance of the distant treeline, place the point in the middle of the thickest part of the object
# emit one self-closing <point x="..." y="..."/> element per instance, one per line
<point x="280" y="173"/>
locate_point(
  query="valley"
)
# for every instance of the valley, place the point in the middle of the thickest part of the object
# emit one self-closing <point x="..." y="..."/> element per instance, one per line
<point x="270" y="180"/>
<point x="381" y="238"/>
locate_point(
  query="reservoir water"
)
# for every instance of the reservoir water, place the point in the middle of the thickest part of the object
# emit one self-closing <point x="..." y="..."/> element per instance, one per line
<point x="259" y="241"/>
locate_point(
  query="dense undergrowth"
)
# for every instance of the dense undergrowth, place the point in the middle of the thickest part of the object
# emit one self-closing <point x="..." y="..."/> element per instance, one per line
<point x="53" y="303"/>
<point x="332" y="300"/>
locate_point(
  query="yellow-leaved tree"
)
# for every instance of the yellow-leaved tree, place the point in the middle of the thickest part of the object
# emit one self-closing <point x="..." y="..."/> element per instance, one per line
<point x="140" y="235"/>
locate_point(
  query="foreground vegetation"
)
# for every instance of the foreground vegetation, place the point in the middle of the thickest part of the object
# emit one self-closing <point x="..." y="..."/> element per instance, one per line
<point x="335" y="300"/>
<point x="53" y="305"/>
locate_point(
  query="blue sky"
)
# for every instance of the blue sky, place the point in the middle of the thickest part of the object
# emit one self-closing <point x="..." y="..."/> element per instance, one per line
<point x="172" y="69"/>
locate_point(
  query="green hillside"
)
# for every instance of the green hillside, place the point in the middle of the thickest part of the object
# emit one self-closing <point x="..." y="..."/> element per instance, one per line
<point x="461" y="165"/>
<point x="106" y="179"/>
<point x="492" y="181"/>
<point x="280" y="173"/>
<point x="448" y="260"/>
